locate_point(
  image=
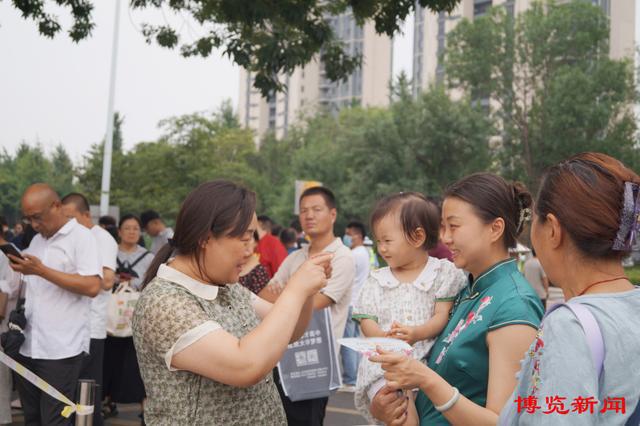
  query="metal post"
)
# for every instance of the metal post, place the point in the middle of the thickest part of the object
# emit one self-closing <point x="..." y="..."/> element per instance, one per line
<point x="108" y="143"/>
<point x="86" y="401"/>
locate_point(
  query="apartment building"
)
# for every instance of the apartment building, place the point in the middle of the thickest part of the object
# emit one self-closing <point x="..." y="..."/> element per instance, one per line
<point x="309" y="90"/>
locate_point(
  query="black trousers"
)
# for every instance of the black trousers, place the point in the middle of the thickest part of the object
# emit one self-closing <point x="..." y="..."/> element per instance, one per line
<point x="40" y="408"/>
<point x="92" y="369"/>
<point x="302" y="413"/>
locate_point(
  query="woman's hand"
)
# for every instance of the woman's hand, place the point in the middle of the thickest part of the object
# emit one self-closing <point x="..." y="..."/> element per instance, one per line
<point x="401" y="371"/>
<point x="389" y="406"/>
<point x="312" y="276"/>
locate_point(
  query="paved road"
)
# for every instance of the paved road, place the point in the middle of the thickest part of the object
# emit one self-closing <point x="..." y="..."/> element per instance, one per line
<point x="340" y="412"/>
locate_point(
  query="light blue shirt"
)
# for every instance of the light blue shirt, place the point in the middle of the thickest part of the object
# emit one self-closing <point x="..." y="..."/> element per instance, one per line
<point x="559" y="364"/>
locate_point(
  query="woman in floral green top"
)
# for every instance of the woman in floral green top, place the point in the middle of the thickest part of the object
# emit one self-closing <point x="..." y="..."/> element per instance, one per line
<point x="470" y="371"/>
<point x="206" y="348"/>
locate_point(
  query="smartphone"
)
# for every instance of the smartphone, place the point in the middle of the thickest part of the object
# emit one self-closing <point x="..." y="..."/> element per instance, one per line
<point x="11" y="249"/>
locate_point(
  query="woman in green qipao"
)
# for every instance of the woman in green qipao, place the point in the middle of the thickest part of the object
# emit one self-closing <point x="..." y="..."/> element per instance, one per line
<point x="470" y="371"/>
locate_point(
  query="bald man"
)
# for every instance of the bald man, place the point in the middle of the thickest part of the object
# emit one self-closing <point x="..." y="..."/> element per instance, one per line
<point x="62" y="272"/>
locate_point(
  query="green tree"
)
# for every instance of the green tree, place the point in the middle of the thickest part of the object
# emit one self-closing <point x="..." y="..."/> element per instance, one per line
<point x="554" y="90"/>
<point x="27" y="166"/>
<point x="30" y="166"/>
<point x="8" y="186"/>
<point x="418" y="144"/>
<point x="421" y="144"/>
<point x="62" y="171"/>
<point x="193" y="148"/>
<point x="268" y="38"/>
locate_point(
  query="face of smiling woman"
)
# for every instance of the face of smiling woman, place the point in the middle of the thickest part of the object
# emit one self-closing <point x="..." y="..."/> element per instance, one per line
<point x="471" y="241"/>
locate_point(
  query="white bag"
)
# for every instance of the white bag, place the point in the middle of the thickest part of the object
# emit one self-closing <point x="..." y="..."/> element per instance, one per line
<point x="120" y="309"/>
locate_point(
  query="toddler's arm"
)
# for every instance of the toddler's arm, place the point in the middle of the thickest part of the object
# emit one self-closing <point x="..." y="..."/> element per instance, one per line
<point x="370" y="328"/>
<point x="426" y="331"/>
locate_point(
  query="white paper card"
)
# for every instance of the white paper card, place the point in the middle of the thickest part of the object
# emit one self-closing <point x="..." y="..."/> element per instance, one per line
<point x="367" y="345"/>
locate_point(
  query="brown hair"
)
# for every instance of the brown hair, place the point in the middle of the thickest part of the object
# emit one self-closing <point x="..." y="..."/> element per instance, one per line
<point x="415" y="212"/>
<point x="493" y="197"/>
<point x="218" y="208"/>
<point x="586" y="193"/>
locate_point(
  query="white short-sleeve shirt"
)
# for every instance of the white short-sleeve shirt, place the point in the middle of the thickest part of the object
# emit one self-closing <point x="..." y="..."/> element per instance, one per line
<point x="108" y="253"/>
<point x="340" y="284"/>
<point x="58" y="323"/>
<point x="363" y="267"/>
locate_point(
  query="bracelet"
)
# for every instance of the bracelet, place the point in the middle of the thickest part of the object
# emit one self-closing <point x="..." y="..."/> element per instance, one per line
<point x="447" y="405"/>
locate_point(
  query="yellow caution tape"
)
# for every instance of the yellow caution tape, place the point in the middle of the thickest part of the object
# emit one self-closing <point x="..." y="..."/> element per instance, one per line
<point x="70" y="406"/>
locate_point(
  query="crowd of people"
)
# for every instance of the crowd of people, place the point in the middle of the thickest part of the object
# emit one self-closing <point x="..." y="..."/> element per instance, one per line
<point x="68" y="270"/>
<point x="216" y="303"/>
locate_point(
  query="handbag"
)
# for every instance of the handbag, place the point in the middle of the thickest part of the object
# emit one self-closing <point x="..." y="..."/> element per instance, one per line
<point x="120" y="308"/>
<point x="13" y="339"/>
<point x="310" y="367"/>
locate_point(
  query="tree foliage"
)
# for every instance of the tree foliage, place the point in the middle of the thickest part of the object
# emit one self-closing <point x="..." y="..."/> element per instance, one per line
<point x="30" y="164"/>
<point x="554" y="90"/>
<point x="418" y="144"/>
<point x="159" y="174"/>
<point x="362" y="153"/>
<point x="268" y="38"/>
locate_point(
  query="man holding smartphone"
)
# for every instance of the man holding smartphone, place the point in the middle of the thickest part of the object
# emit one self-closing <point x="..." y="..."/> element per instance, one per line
<point x="62" y="273"/>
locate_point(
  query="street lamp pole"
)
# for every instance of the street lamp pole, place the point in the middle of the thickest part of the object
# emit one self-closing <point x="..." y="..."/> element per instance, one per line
<point x="108" y="144"/>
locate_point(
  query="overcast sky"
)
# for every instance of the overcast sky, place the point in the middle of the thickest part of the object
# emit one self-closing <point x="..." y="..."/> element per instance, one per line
<point x="55" y="91"/>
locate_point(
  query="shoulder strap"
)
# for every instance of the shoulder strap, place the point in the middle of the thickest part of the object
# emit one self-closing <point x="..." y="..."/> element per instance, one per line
<point x="591" y="330"/>
<point x="593" y="333"/>
<point x="135" y="262"/>
<point x="596" y="344"/>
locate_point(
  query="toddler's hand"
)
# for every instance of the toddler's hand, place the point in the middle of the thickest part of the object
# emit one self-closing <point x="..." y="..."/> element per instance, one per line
<point x="404" y="332"/>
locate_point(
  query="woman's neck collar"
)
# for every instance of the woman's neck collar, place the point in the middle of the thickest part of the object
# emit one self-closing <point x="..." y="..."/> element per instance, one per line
<point x="579" y="274"/>
<point x="129" y="248"/>
<point x="190" y="268"/>
<point x="494" y="257"/>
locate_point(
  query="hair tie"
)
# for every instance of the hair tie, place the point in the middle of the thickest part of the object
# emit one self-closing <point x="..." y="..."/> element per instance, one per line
<point x="629" y="218"/>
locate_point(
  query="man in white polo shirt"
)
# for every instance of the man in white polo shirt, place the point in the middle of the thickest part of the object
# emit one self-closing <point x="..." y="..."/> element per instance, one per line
<point x="318" y="215"/>
<point x="62" y="273"/>
<point x="75" y="206"/>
